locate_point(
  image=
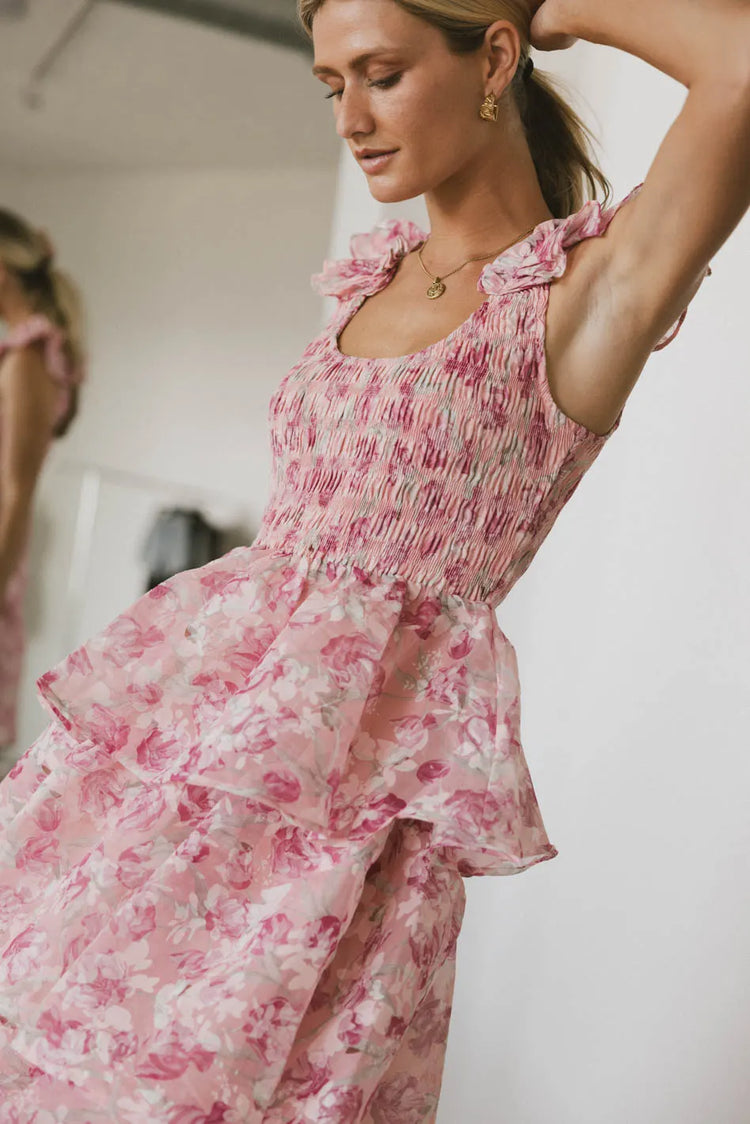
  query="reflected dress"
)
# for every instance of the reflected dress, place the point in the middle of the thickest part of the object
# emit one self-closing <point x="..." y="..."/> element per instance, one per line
<point x="232" y="869"/>
<point x="38" y="331"/>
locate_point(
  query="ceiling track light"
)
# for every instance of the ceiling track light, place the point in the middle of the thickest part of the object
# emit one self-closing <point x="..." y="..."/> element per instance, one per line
<point x="32" y="93"/>
<point x="14" y="9"/>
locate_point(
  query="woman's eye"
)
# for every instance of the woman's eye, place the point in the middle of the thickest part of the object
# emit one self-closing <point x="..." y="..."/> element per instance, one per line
<point x="382" y="84"/>
<point x="386" y="83"/>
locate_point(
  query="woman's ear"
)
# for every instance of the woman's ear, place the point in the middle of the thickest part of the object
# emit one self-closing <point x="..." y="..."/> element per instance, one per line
<point x="502" y="51"/>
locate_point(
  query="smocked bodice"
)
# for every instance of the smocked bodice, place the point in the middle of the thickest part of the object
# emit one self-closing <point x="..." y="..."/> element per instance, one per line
<point x="448" y="466"/>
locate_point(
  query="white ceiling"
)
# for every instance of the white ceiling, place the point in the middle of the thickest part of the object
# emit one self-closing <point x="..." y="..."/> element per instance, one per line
<point x="138" y="90"/>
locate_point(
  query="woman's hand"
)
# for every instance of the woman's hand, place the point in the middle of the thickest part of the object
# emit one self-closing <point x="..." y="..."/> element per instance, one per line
<point x="547" y="28"/>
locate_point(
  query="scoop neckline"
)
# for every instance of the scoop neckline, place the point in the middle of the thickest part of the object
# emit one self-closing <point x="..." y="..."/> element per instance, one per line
<point x="337" y="328"/>
<point x="359" y="299"/>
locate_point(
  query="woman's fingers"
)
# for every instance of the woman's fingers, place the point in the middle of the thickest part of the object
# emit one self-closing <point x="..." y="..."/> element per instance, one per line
<point x="547" y="31"/>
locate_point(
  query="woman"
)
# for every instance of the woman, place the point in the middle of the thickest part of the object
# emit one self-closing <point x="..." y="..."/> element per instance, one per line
<point x="233" y="867"/>
<point x="41" y="364"/>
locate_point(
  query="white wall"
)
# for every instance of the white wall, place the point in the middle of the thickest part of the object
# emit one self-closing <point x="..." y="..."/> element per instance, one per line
<point x="605" y="986"/>
<point x="198" y="298"/>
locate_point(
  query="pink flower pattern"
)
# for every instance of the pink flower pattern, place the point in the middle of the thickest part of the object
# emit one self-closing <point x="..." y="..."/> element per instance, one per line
<point x="232" y="868"/>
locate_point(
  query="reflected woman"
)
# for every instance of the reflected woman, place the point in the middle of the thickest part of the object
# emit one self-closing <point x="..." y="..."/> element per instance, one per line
<point x="41" y="367"/>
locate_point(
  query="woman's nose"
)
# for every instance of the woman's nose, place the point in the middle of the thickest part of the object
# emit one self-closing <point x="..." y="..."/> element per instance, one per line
<point x="353" y="117"/>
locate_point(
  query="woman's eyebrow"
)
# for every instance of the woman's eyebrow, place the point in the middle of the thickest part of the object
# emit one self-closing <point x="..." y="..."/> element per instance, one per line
<point x="357" y="63"/>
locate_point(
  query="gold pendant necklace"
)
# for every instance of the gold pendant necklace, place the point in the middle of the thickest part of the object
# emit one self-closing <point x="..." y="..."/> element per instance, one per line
<point x="438" y="287"/>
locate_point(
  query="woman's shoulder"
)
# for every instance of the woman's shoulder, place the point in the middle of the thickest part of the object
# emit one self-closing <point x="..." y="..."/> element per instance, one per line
<point x="537" y="259"/>
<point x="38" y="332"/>
<point x="542" y="256"/>
<point x="373" y="256"/>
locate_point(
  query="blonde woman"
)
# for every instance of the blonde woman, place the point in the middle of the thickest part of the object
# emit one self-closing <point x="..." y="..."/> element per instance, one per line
<point x="41" y="366"/>
<point x="235" y="862"/>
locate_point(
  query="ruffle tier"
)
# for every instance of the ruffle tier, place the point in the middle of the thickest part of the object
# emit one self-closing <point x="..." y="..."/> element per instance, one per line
<point x="340" y="699"/>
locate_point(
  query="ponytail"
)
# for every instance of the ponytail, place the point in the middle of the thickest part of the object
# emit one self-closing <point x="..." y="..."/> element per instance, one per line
<point x="561" y="145"/>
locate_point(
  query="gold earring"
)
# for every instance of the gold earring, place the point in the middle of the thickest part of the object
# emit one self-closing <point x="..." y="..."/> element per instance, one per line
<point x="490" y="108"/>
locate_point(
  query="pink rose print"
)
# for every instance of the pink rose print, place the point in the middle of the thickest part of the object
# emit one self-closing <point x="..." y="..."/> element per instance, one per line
<point x="230" y="917"/>
<point x="145" y="696"/>
<point x="49" y="815"/>
<point x="429" y="1027"/>
<point x="325" y="932"/>
<point x="270" y="933"/>
<point x="449" y="686"/>
<point x="173" y="1058"/>
<point x="142" y="811"/>
<point x="132" y="865"/>
<point x="196" y="801"/>
<point x="156" y="751"/>
<point x="21" y="954"/>
<point x="340" y="1106"/>
<point x="128" y="640"/>
<point x="107" y="731"/>
<point x="412" y="732"/>
<point x="350" y="659"/>
<point x="140" y="918"/>
<point x="292" y="853"/>
<point x="282" y="786"/>
<point x="305" y="1078"/>
<point x="262" y="1027"/>
<point x="399" y="1101"/>
<point x="103" y="991"/>
<point x="239" y="867"/>
<point x="351" y="1031"/>
<point x="461" y="646"/>
<point x="38" y="853"/>
<point x="101" y="790"/>
<point x="378" y="814"/>
<point x="430" y="771"/>
<point x="123" y="1045"/>
<point x="62" y="1034"/>
<point x="219" y="1113"/>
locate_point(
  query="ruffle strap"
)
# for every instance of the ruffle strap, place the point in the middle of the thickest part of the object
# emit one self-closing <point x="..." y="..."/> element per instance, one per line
<point x="40" y="329"/>
<point x="542" y="257"/>
<point x="373" y="257"/>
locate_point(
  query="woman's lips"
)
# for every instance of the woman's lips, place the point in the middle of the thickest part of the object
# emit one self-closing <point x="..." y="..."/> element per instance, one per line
<point x="372" y="164"/>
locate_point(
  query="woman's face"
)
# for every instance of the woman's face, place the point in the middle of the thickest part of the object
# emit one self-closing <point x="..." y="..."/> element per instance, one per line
<point x="397" y="89"/>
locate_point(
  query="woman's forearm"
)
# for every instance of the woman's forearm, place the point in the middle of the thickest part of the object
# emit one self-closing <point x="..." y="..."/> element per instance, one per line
<point x="690" y="40"/>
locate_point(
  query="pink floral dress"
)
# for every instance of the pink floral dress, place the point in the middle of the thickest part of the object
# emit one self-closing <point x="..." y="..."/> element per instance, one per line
<point x="36" y="330"/>
<point x="232" y="870"/>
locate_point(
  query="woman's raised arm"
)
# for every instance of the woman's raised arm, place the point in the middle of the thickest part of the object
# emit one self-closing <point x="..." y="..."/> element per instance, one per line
<point x="698" y="187"/>
<point x="628" y="288"/>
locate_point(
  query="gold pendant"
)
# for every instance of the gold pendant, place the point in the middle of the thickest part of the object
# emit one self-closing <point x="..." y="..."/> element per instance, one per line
<point x="436" y="289"/>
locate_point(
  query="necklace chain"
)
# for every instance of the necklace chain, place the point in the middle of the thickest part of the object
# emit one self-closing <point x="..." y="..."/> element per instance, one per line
<point x="437" y="288"/>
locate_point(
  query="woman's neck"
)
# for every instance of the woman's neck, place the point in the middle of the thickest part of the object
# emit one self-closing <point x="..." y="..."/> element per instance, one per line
<point x="489" y="206"/>
<point x="14" y="313"/>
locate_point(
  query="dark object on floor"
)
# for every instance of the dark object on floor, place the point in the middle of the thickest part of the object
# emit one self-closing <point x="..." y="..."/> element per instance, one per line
<point x="180" y="539"/>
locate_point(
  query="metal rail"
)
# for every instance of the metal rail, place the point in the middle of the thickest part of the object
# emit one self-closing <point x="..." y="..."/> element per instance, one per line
<point x="243" y="17"/>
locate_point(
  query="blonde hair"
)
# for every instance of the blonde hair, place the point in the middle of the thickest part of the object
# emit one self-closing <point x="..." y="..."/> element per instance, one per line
<point x="27" y="254"/>
<point x="560" y="143"/>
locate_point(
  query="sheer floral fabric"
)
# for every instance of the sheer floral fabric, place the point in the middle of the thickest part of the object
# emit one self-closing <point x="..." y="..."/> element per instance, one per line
<point x="232" y="869"/>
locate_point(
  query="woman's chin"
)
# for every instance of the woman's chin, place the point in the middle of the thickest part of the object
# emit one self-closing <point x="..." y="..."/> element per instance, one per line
<point x="395" y="191"/>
